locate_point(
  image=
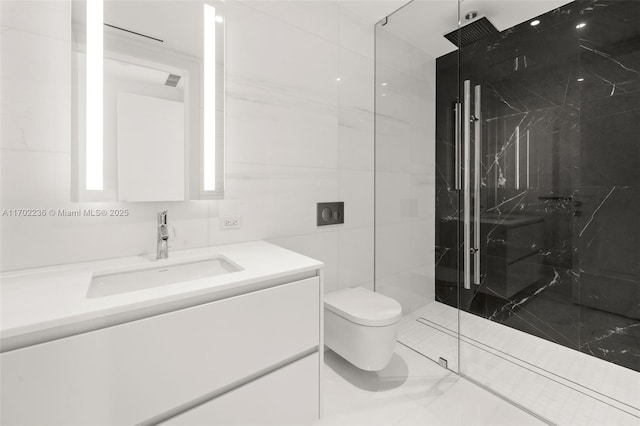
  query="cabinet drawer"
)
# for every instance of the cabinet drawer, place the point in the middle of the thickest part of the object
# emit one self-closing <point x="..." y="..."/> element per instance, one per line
<point x="287" y="396"/>
<point x="133" y="372"/>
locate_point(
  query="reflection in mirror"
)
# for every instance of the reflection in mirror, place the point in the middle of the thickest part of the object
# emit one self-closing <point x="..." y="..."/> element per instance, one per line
<point x="148" y="100"/>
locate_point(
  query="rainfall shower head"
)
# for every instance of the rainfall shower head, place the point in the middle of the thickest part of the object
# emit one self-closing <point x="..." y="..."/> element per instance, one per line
<point x="471" y="32"/>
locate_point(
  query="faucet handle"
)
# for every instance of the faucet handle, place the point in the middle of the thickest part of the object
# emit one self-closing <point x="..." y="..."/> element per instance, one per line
<point x="162" y="217"/>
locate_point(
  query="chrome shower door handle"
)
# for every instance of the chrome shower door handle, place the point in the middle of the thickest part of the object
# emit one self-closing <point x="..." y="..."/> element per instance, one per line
<point x="457" y="153"/>
<point x="467" y="184"/>
<point x="472" y="245"/>
<point x="476" y="189"/>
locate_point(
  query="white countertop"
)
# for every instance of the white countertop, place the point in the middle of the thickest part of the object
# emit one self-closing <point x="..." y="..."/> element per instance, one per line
<point x="43" y="304"/>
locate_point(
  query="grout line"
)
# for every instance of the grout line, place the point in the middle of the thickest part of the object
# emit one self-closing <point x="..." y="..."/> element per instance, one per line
<point x="290" y="166"/>
<point x="273" y="92"/>
<point x="298" y="166"/>
<point x="35" y="151"/>
<point x="37" y="34"/>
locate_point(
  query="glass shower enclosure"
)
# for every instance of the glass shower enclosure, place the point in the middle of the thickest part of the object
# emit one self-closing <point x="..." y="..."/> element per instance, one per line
<point x="508" y="196"/>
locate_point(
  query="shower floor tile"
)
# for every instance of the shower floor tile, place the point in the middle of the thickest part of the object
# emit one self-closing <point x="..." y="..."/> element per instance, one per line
<point x="412" y="390"/>
<point x="495" y="355"/>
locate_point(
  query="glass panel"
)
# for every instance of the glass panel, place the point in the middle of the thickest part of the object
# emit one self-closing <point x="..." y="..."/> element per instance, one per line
<point x="559" y="301"/>
<point x="606" y="204"/>
<point x="528" y="136"/>
<point x="413" y="255"/>
<point x="535" y="276"/>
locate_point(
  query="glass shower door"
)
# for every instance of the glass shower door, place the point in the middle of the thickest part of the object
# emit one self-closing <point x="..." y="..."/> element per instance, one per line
<point x="413" y="256"/>
<point x="524" y="277"/>
<point x="549" y="297"/>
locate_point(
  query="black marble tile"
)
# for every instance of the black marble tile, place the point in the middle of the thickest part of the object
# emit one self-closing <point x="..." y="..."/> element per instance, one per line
<point x="560" y="179"/>
<point x="610" y="141"/>
<point x="610" y="337"/>
<point x="608" y="240"/>
<point x="544" y="309"/>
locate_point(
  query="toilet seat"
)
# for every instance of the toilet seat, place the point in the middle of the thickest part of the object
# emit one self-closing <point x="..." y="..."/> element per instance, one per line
<point x="362" y="306"/>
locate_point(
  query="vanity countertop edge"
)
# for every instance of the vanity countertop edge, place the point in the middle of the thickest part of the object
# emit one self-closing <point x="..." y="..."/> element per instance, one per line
<point x="44" y="304"/>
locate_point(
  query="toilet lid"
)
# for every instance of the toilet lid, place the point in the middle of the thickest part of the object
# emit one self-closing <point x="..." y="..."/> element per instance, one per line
<point x="363" y="306"/>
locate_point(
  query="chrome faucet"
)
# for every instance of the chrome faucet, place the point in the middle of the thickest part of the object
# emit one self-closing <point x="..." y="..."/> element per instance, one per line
<point x="163" y="236"/>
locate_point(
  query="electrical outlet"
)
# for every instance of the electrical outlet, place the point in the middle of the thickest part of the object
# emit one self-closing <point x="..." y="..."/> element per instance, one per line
<point x="230" y="222"/>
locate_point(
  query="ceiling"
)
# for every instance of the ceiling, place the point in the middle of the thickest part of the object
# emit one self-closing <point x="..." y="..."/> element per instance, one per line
<point x="423" y="23"/>
<point x="373" y="10"/>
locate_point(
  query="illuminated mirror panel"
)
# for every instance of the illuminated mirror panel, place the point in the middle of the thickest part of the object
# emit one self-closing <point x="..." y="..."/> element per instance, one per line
<point x="148" y="100"/>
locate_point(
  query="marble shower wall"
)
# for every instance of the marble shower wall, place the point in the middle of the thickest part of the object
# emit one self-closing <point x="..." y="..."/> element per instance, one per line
<point x="560" y="179"/>
<point x="405" y="171"/>
<point x="295" y="136"/>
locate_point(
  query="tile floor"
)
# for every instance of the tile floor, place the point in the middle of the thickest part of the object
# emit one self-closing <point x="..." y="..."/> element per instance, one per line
<point x="412" y="390"/>
<point x="550" y="379"/>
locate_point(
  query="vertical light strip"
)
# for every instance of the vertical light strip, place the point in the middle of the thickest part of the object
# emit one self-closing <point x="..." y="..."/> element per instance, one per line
<point x="528" y="161"/>
<point x="93" y="132"/>
<point x="517" y="157"/>
<point x="209" y="81"/>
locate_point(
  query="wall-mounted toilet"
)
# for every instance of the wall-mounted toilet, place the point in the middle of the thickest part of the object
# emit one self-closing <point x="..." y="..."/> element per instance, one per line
<point x="361" y="326"/>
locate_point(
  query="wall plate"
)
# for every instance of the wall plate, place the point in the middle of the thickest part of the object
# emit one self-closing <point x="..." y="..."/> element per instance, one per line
<point x="231" y="222"/>
<point x="330" y="213"/>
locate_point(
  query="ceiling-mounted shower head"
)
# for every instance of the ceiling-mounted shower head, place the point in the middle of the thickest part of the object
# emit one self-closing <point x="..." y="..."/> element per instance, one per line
<point x="476" y="29"/>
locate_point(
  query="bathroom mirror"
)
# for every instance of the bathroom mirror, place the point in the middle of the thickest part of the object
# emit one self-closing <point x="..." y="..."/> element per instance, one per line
<point x="148" y="100"/>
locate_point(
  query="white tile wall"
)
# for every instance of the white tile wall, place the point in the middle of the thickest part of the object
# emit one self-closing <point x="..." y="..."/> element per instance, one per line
<point x="44" y="17"/>
<point x="355" y="248"/>
<point x="295" y="136"/>
<point x="356" y="149"/>
<point x="274" y="201"/>
<point x="319" y="18"/>
<point x="322" y="245"/>
<point x="355" y="143"/>
<point x="35" y="82"/>
<point x="354" y="34"/>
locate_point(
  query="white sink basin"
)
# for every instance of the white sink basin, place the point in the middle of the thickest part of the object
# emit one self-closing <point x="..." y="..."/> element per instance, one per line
<point x="108" y="284"/>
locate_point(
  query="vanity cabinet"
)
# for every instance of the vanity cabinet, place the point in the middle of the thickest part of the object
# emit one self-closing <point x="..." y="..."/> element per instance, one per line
<point x="284" y="397"/>
<point x="512" y="258"/>
<point x="214" y="363"/>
